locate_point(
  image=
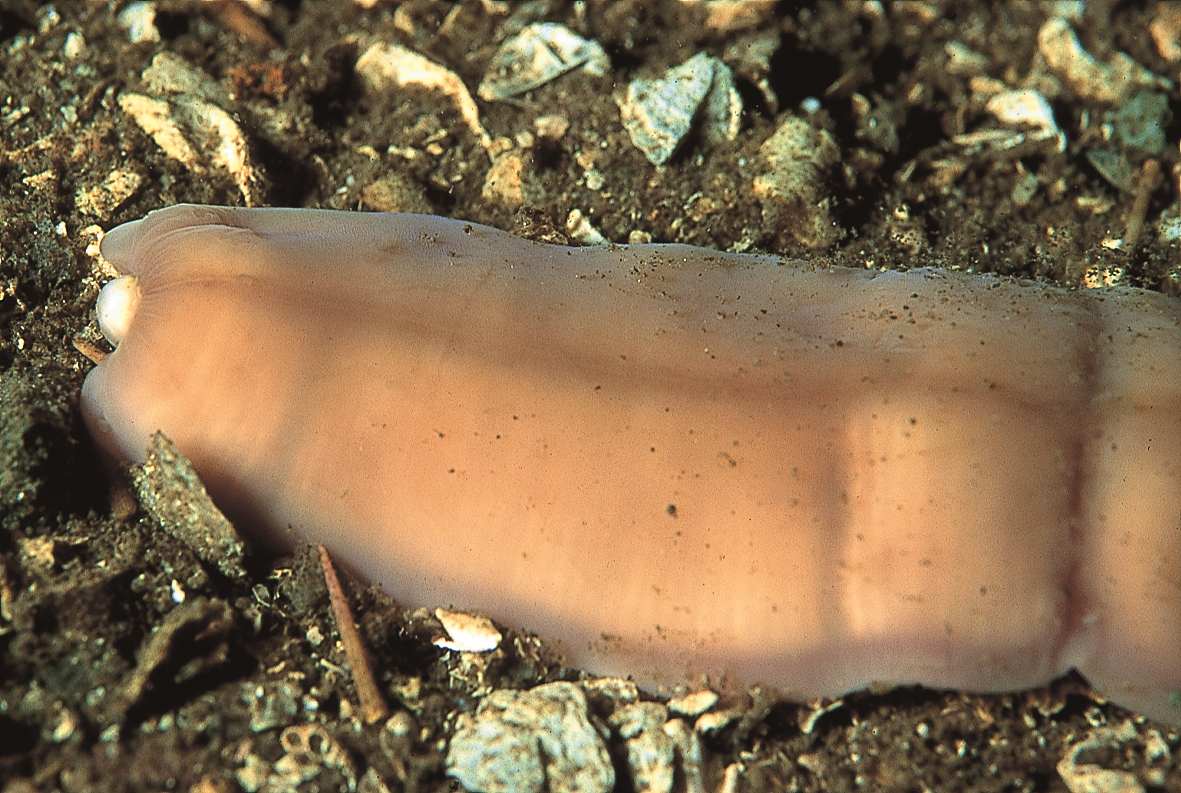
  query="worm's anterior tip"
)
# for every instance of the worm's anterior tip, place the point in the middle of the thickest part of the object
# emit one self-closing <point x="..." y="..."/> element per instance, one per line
<point x="116" y="307"/>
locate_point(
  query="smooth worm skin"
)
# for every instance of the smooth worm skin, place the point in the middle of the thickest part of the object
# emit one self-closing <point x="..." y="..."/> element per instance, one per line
<point x="675" y="461"/>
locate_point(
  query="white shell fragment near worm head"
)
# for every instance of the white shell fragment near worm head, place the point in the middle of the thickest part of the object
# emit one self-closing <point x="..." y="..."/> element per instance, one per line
<point x="676" y="461"/>
<point x="116" y="307"/>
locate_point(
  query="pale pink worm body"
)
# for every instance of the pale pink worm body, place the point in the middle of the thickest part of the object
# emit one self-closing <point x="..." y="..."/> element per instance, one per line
<point x="678" y="462"/>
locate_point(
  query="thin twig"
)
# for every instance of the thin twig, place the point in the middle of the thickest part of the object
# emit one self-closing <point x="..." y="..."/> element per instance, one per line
<point x="91" y="350"/>
<point x="1149" y="180"/>
<point x="372" y="705"/>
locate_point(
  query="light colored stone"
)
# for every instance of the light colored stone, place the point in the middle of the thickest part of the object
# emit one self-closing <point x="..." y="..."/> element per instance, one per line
<point x="182" y="110"/>
<point x="529" y="742"/>
<point x="1108" y="82"/>
<point x="658" y="112"/>
<point x="385" y="68"/>
<point x="793" y="186"/>
<point x="102" y="200"/>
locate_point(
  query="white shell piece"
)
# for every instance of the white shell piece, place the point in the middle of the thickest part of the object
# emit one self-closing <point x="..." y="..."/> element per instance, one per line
<point x="693" y="704"/>
<point x="792" y="184"/>
<point x="1022" y="107"/>
<point x="103" y="199"/>
<point x="714" y="721"/>
<point x="169" y="74"/>
<point x="469" y="634"/>
<point x="961" y="59"/>
<point x="658" y="748"/>
<point x="536" y="55"/>
<point x="612" y="690"/>
<point x="75" y="45"/>
<point x="1027" y="108"/>
<point x="582" y="230"/>
<point x="116" y="307"/>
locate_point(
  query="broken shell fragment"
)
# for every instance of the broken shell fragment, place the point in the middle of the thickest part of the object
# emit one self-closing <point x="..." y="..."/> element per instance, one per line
<point x="168" y="489"/>
<point x="1138" y="125"/>
<point x="1083" y="777"/>
<point x="659" y="112"/>
<point x="659" y="749"/>
<point x="651" y="752"/>
<point x="1133" y="130"/>
<point x="537" y="55"/>
<point x="552" y="127"/>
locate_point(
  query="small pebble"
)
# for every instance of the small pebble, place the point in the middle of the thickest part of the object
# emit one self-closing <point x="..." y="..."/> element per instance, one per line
<point x="139" y="20"/>
<point x="1108" y="82"/>
<point x="792" y="184"/>
<point x="184" y="112"/>
<point x="659" y="112"/>
<point x="386" y="68"/>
